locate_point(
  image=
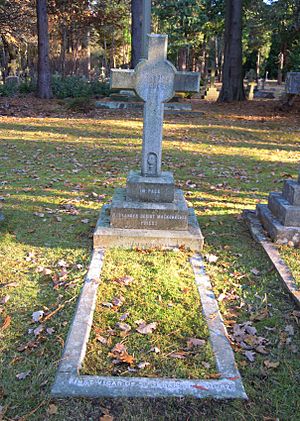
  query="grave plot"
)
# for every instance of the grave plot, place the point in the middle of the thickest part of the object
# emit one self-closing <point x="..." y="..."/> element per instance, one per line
<point x="221" y="377"/>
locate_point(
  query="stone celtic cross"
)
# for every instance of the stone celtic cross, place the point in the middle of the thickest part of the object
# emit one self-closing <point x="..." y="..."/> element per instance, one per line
<point x="155" y="80"/>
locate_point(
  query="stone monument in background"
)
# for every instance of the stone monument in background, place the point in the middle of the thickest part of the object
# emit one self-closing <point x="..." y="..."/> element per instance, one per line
<point x="281" y="216"/>
<point x="151" y="211"/>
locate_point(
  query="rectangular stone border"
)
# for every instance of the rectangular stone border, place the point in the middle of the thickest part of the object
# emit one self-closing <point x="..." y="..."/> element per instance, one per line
<point x="69" y="383"/>
<point x="257" y="232"/>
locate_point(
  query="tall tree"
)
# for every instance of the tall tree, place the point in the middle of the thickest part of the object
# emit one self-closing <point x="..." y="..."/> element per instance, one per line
<point x="232" y="86"/>
<point x="136" y="31"/>
<point x="44" y="74"/>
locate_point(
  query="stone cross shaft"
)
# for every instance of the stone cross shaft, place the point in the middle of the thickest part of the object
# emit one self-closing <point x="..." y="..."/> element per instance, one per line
<point x="155" y="80"/>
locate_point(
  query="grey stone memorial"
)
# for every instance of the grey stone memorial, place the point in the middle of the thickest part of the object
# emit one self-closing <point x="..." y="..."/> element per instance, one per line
<point x="281" y="217"/>
<point x="150" y="201"/>
<point x="292" y="85"/>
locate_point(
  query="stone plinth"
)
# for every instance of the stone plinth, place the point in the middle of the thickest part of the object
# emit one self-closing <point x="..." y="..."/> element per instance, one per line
<point x="107" y="236"/>
<point x="281" y="217"/>
<point x="129" y="214"/>
<point x="150" y="189"/>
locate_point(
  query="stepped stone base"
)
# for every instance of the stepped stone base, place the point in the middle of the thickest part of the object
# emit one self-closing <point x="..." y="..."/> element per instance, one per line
<point x="107" y="236"/>
<point x="277" y="231"/>
<point x="287" y="214"/>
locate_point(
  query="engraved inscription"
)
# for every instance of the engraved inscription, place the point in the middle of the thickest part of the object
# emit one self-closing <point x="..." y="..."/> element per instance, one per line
<point x="122" y="215"/>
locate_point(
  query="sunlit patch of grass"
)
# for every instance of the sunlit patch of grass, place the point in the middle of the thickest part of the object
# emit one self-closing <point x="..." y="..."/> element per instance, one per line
<point x="65" y="169"/>
<point x="292" y="258"/>
<point x="163" y="292"/>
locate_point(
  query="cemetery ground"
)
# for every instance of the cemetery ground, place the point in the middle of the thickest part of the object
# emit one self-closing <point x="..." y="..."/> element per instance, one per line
<point x="58" y="169"/>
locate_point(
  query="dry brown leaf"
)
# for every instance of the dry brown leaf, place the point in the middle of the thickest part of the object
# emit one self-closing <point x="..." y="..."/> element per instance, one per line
<point x="52" y="409"/>
<point x="6" y="323"/>
<point x="181" y="355"/>
<point x="125" y="280"/>
<point x="106" y="417"/>
<point x="271" y="364"/>
<point x="194" y="342"/>
<point x="145" y="329"/>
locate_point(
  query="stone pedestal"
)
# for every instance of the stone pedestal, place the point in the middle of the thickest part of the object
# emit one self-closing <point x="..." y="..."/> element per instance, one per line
<point x="150" y="212"/>
<point x="281" y="217"/>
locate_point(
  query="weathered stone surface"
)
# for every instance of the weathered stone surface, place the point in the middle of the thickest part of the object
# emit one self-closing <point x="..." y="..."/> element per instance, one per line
<point x="291" y="192"/>
<point x="187" y="82"/>
<point x="150" y="189"/>
<point x="279" y="233"/>
<point x="107" y="236"/>
<point x="69" y="381"/>
<point x="287" y="214"/>
<point x="292" y="84"/>
<point x="154" y="80"/>
<point x="159" y="216"/>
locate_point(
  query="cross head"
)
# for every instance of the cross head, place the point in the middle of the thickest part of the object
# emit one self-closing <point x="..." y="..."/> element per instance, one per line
<point x="155" y="81"/>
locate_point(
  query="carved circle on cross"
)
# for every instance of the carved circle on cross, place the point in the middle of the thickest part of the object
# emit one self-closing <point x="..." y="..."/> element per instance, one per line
<point x="155" y="80"/>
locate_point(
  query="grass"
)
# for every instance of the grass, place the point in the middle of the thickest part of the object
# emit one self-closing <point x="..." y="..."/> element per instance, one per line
<point x="292" y="258"/>
<point x="163" y="292"/>
<point x="55" y="174"/>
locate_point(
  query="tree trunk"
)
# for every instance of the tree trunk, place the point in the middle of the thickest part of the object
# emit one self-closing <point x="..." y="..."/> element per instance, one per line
<point x="232" y="86"/>
<point x="136" y="31"/>
<point x="63" y="49"/>
<point x="281" y="63"/>
<point x="44" y="75"/>
<point x="258" y="61"/>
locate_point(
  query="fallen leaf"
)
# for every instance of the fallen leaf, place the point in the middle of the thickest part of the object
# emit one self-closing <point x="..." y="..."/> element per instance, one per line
<point x="101" y="339"/>
<point x="271" y="364"/>
<point x="155" y="349"/>
<point x="125" y="280"/>
<point x="214" y="375"/>
<point x="194" y="342"/>
<point x="52" y="409"/>
<point x="255" y="272"/>
<point x="37" y="331"/>
<point x="290" y="330"/>
<point x="123" y="326"/>
<point x="143" y="365"/>
<point x="211" y="258"/>
<point x="105" y="304"/>
<point x="145" y="329"/>
<point x="181" y="355"/>
<point x="50" y="330"/>
<point x="37" y="315"/>
<point x="250" y="355"/>
<point x="5" y="299"/>
<point x="117" y="301"/>
<point x="22" y="376"/>
<point x="124" y="317"/>
<point x="106" y="417"/>
<point x="6" y="322"/>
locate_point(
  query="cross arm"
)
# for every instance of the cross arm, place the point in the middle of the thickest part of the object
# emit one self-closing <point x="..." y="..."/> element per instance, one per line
<point x="122" y="79"/>
<point x="187" y="82"/>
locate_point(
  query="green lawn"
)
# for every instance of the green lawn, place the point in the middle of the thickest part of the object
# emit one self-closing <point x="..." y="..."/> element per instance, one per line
<point x="55" y="174"/>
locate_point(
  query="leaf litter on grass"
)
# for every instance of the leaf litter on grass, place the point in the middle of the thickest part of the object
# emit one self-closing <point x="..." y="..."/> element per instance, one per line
<point x="165" y="334"/>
